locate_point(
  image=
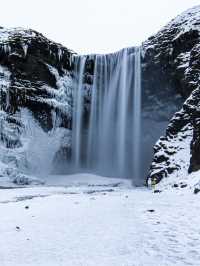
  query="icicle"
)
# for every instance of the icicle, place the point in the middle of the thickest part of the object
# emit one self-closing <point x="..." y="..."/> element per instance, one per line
<point x="5" y="48"/>
<point x="70" y="60"/>
<point x="10" y="50"/>
<point x="7" y="99"/>
<point x="25" y="49"/>
<point x="59" y="54"/>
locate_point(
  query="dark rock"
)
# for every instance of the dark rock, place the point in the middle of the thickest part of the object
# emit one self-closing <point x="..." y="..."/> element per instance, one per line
<point x="98" y="191"/>
<point x="196" y="190"/>
<point x="184" y="185"/>
<point x="28" y="59"/>
<point x="32" y="66"/>
<point x="171" y="60"/>
<point x="151" y="210"/>
<point x="157" y="191"/>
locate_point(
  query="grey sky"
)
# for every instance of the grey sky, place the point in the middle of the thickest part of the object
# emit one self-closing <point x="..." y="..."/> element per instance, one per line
<point x="88" y="26"/>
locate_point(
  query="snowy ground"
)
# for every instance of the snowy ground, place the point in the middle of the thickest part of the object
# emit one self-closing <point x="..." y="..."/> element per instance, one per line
<point x="95" y="221"/>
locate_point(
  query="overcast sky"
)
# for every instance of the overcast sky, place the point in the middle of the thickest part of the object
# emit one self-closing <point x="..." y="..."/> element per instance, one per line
<point x="93" y="26"/>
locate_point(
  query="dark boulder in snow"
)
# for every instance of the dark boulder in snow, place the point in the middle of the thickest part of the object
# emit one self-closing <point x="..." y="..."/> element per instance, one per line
<point x="196" y="190"/>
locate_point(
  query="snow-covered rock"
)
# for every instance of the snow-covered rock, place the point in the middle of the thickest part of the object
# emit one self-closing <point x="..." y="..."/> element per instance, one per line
<point x="171" y="65"/>
<point x="36" y="77"/>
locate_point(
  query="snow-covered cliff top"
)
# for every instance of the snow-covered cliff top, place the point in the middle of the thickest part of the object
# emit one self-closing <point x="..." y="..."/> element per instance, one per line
<point x="188" y="20"/>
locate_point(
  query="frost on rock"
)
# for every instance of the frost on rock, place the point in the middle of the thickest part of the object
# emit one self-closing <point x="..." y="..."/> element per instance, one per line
<point x="40" y="146"/>
<point x="11" y="148"/>
<point x="176" y="154"/>
<point x="174" y="51"/>
<point x="27" y="151"/>
<point x="35" y="103"/>
<point x="171" y="63"/>
<point x="4" y="87"/>
<point x="24" y="38"/>
<point x="63" y="94"/>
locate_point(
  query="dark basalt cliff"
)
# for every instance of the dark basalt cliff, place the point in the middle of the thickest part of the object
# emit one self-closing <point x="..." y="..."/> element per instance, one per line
<point x="171" y="60"/>
<point x="31" y="59"/>
<point x="37" y="74"/>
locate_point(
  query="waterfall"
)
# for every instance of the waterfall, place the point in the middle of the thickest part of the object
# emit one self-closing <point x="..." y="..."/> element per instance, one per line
<point x="137" y="117"/>
<point x="109" y="142"/>
<point x="122" y="116"/>
<point x="78" y="111"/>
<point x="93" y="121"/>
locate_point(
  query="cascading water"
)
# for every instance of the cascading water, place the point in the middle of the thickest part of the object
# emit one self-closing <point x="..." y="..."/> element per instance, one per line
<point x="137" y="117"/>
<point x="94" y="119"/>
<point x="78" y="111"/>
<point x="108" y="142"/>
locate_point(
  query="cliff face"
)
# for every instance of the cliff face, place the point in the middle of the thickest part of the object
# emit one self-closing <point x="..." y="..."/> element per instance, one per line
<point x="171" y="59"/>
<point x="35" y="77"/>
<point x="37" y="68"/>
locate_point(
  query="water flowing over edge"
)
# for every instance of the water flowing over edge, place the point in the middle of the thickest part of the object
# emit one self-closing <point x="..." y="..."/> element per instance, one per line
<point x="109" y="142"/>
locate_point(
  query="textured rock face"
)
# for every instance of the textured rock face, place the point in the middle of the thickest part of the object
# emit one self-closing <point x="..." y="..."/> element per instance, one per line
<point x="37" y="75"/>
<point x="172" y="58"/>
<point x="36" y="67"/>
